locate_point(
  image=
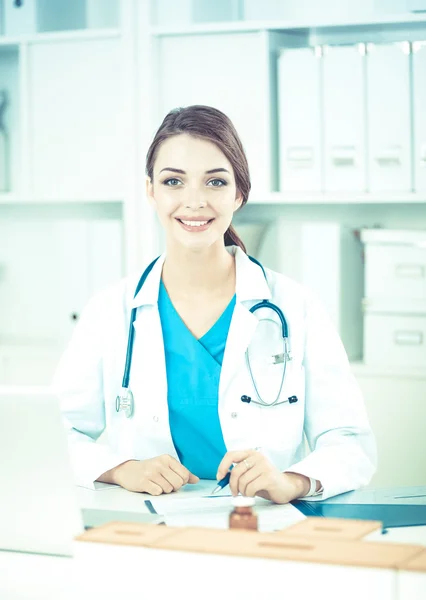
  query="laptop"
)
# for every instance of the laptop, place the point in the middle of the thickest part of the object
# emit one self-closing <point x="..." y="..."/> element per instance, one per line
<point x="39" y="511"/>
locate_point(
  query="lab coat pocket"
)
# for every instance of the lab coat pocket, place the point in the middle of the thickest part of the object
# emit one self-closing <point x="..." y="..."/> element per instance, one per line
<point x="282" y="423"/>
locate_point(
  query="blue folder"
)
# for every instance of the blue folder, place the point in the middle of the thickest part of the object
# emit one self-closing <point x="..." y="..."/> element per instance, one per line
<point x="394" y="507"/>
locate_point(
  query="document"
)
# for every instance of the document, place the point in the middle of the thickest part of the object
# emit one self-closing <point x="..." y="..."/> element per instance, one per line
<point x="187" y="510"/>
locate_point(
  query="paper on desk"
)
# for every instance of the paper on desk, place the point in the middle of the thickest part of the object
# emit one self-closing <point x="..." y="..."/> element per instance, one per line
<point x="214" y="512"/>
<point x="174" y="503"/>
<point x="203" y="488"/>
<point x="97" y="485"/>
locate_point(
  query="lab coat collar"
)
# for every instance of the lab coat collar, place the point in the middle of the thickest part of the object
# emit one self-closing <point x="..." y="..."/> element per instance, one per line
<point x="250" y="282"/>
<point x="148" y="294"/>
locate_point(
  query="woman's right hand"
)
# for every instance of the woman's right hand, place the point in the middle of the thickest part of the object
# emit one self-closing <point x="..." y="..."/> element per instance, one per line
<point x="160" y="475"/>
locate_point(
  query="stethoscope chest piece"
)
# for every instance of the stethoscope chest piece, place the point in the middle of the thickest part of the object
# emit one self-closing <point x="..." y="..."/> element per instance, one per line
<point x="125" y="402"/>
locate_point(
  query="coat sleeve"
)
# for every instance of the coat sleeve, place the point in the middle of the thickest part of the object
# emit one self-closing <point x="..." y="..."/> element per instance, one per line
<point x="78" y="383"/>
<point x="343" y="450"/>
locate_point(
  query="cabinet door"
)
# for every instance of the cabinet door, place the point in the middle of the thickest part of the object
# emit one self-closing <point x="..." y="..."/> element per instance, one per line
<point x="344" y="119"/>
<point x="44" y="278"/>
<point x="48" y="270"/>
<point x="419" y="103"/>
<point x="75" y="120"/>
<point x="389" y="127"/>
<point x="228" y="72"/>
<point x="397" y="412"/>
<point x="299" y="108"/>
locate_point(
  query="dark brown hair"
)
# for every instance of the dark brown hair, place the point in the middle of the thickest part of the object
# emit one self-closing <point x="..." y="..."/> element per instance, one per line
<point x="213" y="125"/>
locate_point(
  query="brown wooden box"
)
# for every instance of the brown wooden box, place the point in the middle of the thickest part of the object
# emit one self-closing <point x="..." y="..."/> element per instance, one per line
<point x="417" y="563"/>
<point x="280" y="546"/>
<point x="127" y="534"/>
<point x="269" y="545"/>
<point x="331" y="529"/>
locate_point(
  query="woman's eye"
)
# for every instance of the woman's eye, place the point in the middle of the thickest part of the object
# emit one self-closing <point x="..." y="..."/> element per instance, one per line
<point x="172" y="182"/>
<point x="217" y="182"/>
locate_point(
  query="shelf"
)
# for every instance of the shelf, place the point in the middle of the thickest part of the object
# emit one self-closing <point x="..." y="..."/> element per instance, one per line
<point x="7" y="198"/>
<point x="14" y="200"/>
<point x="58" y="36"/>
<point x="279" y="198"/>
<point x="360" y="369"/>
<point x="276" y="25"/>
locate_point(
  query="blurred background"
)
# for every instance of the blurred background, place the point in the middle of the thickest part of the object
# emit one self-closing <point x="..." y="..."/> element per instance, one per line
<point x="330" y="101"/>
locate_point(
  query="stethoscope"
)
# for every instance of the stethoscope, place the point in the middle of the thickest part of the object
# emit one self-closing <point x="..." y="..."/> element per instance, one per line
<point x="125" y="401"/>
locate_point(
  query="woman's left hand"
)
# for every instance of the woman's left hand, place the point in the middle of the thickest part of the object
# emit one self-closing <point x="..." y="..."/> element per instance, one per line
<point x="254" y="475"/>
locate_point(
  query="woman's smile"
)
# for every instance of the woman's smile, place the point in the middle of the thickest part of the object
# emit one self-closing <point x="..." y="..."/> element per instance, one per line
<point x="195" y="225"/>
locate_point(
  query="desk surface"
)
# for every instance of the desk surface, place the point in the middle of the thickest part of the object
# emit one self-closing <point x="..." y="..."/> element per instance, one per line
<point x="35" y="577"/>
<point x="113" y="497"/>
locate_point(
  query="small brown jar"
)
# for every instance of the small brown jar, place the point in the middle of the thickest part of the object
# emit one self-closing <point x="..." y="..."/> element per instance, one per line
<point x="243" y="516"/>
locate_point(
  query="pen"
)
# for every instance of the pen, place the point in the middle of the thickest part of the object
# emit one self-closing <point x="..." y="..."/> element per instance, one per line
<point x="223" y="482"/>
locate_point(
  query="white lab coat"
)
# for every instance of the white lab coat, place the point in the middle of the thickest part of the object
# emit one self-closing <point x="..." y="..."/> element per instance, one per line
<point x="329" y="410"/>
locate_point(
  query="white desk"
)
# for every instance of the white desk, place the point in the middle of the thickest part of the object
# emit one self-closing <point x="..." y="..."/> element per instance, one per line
<point x="108" y="573"/>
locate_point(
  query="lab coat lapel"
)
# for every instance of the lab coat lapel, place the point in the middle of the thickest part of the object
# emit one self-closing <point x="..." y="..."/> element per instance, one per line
<point x="242" y="328"/>
<point x="148" y="373"/>
<point x="251" y="287"/>
<point x="148" y="364"/>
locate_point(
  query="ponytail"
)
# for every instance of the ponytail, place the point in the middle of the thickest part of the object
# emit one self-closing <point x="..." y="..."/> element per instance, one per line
<point x="232" y="239"/>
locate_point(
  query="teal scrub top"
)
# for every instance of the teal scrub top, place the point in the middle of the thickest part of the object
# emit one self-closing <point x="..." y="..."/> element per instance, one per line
<point x="193" y="372"/>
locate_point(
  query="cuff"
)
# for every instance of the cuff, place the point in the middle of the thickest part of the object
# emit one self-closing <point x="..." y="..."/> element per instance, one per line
<point x="313" y="488"/>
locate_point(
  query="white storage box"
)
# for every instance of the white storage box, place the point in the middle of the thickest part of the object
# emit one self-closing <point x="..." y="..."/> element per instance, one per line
<point x="299" y="102"/>
<point x="344" y="119"/>
<point x="389" y="138"/>
<point x="419" y="102"/>
<point x="394" y="339"/>
<point x="395" y="266"/>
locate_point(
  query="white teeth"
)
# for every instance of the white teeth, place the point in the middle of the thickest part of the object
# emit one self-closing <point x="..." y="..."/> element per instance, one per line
<point x="194" y="223"/>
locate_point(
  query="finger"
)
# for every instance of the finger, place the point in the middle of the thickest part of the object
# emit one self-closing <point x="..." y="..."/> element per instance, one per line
<point x="163" y="483"/>
<point x="178" y="468"/>
<point x="173" y="478"/>
<point x="247" y="477"/>
<point x="255" y="486"/>
<point x="234" y="456"/>
<point x="152" y="488"/>
<point x="237" y="472"/>
<point x="193" y="478"/>
<point x="263" y="494"/>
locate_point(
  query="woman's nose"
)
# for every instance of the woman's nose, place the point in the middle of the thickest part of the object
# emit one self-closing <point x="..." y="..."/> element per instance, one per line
<point x="195" y="199"/>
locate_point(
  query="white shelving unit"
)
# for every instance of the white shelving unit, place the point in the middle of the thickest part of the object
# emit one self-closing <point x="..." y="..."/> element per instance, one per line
<point x="62" y="222"/>
<point x="306" y="25"/>
<point x="281" y="198"/>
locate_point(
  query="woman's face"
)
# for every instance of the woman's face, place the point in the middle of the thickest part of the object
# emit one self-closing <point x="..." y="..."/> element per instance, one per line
<point x="193" y="191"/>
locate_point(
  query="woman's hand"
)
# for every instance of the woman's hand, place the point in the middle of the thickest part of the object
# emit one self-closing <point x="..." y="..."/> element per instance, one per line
<point x="160" y="475"/>
<point x="254" y="475"/>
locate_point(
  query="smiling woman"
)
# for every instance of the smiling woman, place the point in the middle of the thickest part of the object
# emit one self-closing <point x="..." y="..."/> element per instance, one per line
<point x="201" y="136"/>
<point x="196" y="409"/>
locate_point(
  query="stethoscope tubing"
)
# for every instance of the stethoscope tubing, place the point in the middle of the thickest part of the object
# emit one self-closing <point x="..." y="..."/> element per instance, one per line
<point x="127" y="396"/>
